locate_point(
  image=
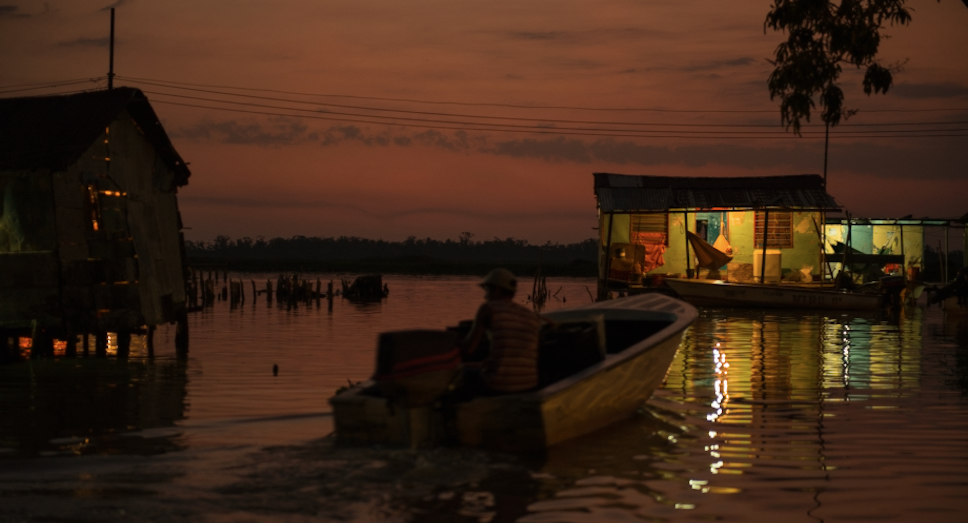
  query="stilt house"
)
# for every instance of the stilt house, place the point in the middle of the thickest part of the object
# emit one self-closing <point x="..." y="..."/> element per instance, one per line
<point x="90" y="233"/>
<point x="644" y="221"/>
<point x="867" y="239"/>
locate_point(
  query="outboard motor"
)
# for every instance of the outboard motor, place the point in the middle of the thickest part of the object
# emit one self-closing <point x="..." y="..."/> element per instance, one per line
<point x="416" y="367"/>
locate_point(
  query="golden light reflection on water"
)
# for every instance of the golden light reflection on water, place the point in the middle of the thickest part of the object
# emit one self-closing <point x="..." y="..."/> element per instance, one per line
<point x="803" y="408"/>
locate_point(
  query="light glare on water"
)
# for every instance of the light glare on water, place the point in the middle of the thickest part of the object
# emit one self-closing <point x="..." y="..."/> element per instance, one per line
<point x="764" y="416"/>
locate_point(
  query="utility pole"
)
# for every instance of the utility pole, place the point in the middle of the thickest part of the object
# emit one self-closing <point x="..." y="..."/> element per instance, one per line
<point x="826" y="135"/>
<point x="111" y="59"/>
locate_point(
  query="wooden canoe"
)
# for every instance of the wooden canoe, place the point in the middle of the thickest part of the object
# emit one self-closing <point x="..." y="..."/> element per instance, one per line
<point x="717" y="293"/>
<point x="642" y="335"/>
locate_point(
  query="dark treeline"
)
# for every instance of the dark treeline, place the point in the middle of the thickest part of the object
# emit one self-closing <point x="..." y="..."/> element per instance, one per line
<point x="461" y="256"/>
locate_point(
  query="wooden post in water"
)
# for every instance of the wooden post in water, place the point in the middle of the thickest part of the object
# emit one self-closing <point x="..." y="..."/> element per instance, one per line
<point x="843" y="264"/>
<point x="944" y="275"/>
<point x="329" y="295"/>
<point x="766" y="236"/>
<point x="41" y="344"/>
<point x="195" y="280"/>
<point x="181" y="333"/>
<point x="685" y="238"/>
<point x="124" y="344"/>
<point x="268" y="291"/>
<point x="904" y="268"/>
<point x="71" y="350"/>
<point x="603" y="295"/>
<point x="101" y="344"/>
<point x="150" y="340"/>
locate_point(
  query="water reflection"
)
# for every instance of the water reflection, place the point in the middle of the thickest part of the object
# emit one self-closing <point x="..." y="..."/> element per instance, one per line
<point x="86" y="405"/>
<point x="764" y="416"/>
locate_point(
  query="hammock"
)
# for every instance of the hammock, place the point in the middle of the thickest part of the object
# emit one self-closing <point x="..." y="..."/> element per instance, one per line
<point x="709" y="257"/>
<point x="654" y="244"/>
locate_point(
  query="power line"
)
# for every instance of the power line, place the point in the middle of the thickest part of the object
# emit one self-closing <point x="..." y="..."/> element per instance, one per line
<point x="499" y="126"/>
<point x="484" y="126"/>
<point x="49" y="85"/>
<point x="495" y="118"/>
<point x="512" y="106"/>
<point x="438" y="102"/>
<point x="431" y="113"/>
<point x="59" y="93"/>
<point x="537" y="130"/>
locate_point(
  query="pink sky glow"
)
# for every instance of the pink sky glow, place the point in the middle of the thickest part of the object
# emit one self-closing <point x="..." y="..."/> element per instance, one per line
<point x="291" y="175"/>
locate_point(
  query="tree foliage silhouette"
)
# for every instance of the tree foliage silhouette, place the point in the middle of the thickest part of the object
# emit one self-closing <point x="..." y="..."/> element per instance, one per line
<point x="822" y="36"/>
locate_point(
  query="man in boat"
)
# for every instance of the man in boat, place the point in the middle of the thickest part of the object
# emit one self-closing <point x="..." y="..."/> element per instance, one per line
<point x="513" y="332"/>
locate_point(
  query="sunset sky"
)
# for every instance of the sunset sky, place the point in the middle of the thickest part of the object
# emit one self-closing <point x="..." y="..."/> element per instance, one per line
<point x="539" y="65"/>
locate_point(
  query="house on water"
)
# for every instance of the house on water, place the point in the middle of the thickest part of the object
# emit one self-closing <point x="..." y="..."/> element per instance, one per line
<point x="90" y="233"/>
<point x="643" y="224"/>
<point x="904" y="237"/>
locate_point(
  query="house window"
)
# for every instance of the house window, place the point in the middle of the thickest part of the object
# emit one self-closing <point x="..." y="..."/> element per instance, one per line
<point x="650" y="223"/>
<point x="780" y="230"/>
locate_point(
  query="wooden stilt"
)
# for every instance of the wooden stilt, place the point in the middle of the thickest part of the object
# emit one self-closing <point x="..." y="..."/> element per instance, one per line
<point x="124" y="344"/>
<point x="603" y="291"/>
<point x="71" y="351"/>
<point x="150" y="340"/>
<point x="181" y="333"/>
<point x="685" y="238"/>
<point x="101" y="344"/>
<point x="766" y="238"/>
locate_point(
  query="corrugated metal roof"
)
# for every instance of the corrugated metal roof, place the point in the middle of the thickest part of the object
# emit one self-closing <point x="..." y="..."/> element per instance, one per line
<point x="51" y="132"/>
<point x="633" y="193"/>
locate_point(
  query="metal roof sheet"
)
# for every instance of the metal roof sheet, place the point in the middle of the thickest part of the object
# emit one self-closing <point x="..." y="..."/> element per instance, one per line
<point x="633" y="193"/>
<point x="51" y="132"/>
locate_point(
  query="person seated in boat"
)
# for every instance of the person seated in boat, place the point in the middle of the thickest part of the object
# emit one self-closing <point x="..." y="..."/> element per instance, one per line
<point x="513" y="333"/>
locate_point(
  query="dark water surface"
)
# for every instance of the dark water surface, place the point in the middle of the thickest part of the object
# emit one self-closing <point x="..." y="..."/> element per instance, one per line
<point x="765" y="416"/>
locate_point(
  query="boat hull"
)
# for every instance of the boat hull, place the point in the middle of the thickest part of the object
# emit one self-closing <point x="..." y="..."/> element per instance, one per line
<point x="715" y="293"/>
<point x="608" y="396"/>
<point x="604" y="393"/>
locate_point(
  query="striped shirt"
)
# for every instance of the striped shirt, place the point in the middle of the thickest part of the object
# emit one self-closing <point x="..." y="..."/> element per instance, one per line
<point x="513" y="362"/>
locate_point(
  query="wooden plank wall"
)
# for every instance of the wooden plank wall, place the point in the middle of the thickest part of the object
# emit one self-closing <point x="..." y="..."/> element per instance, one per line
<point x="95" y="247"/>
<point x="153" y="219"/>
<point x="125" y="272"/>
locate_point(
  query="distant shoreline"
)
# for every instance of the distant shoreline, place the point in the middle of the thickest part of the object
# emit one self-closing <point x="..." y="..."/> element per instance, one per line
<point x="392" y="266"/>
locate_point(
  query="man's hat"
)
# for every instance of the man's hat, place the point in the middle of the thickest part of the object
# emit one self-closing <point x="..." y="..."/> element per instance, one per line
<point x="502" y="279"/>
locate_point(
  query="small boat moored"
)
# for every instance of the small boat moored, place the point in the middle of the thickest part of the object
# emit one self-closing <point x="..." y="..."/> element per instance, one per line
<point x="717" y="293"/>
<point x="640" y="336"/>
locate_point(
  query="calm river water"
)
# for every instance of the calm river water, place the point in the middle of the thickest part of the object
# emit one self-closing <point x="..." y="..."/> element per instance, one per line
<point x="765" y="416"/>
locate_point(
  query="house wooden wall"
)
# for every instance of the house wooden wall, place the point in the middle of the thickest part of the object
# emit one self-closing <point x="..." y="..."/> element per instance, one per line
<point x="126" y="272"/>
